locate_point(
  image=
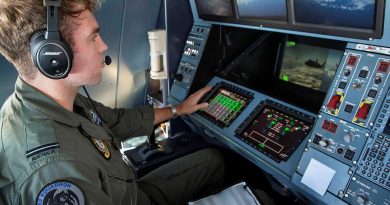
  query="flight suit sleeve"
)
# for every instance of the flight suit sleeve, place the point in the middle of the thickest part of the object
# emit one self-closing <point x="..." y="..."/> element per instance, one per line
<point x="66" y="181"/>
<point x="126" y="123"/>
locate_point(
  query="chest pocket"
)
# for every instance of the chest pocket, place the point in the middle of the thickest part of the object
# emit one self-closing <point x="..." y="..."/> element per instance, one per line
<point x="117" y="178"/>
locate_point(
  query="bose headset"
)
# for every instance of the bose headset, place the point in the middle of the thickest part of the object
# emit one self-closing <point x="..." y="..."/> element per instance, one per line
<point x="52" y="56"/>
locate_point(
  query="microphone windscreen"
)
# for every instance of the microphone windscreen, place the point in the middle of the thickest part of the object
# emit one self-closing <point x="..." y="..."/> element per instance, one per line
<point x="107" y="60"/>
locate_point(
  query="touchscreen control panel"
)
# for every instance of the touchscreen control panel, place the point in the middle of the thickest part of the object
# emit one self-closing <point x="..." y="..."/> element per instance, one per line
<point x="226" y="102"/>
<point x="275" y="130"/>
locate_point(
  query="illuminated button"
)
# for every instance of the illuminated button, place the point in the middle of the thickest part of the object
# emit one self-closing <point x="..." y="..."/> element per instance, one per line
<point x="349" y="154"/>
<point x="363" y="111"/>
<point x="317" y="139"/>
<point x="372" y="93"/>
<point x="383" y="66"/>
<point x="342" y="85"/>
<point x="261" y="145"/>
<point x="352" y="60"/>
<point x="363" y="73"/>
<point x="348" y="108"/>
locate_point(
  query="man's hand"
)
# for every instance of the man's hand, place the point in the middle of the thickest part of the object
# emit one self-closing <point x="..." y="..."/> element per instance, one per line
<point x="191" y="105"/>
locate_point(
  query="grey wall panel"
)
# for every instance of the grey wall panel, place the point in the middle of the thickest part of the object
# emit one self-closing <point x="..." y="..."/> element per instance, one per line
<point x="110" y="22"/>
<point x="140" y="16"/>
<point x="8" y="77"/>
<point x="179" y="23"/>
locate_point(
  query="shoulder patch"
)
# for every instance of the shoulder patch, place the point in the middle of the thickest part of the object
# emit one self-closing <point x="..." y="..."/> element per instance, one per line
<point x="60" y="192"/>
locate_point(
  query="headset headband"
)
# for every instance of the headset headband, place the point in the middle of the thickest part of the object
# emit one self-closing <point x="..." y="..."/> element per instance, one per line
<point x="52" y="19"/>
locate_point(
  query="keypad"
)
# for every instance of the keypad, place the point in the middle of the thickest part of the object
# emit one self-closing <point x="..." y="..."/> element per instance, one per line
<point x="375" y="165"/>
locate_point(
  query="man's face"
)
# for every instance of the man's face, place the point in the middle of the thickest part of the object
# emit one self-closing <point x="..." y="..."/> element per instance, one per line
<point x="88" y="51"/>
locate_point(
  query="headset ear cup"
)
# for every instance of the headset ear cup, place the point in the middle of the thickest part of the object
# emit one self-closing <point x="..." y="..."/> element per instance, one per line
<point x="37" y="38"/>
<point x="53" y="58"/>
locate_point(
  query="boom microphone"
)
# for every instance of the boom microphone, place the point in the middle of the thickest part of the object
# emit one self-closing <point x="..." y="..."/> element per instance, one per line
<point x="107" y="60"/>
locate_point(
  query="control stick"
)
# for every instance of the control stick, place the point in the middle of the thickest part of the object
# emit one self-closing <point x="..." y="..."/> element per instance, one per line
<point x="150" y="150"/>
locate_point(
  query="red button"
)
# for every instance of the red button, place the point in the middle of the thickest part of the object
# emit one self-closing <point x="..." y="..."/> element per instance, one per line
<point x="334" y="102"/>
<point x="363" y="111"/>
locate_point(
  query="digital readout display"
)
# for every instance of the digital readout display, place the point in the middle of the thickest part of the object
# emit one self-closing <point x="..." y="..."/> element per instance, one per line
<point x="275" y="133"/>
<point x="224" y="106"/>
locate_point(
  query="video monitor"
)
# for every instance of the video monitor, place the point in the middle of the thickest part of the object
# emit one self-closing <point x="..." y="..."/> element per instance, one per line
<point x="275" y="130"/>
<point x="349" y="18"/>
<point x="309" y="65"/>
<point x="215" y="8"/>
<point x="262" y="9"/>
<point x="345" y="13"/>
<point x="226" y="102"/>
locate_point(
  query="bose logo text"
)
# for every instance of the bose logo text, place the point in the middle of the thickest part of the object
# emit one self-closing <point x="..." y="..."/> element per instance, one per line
<point x="52" y="53"/>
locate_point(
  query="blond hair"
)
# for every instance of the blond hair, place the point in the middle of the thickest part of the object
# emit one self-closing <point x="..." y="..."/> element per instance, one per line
<point x="19" y="19"/>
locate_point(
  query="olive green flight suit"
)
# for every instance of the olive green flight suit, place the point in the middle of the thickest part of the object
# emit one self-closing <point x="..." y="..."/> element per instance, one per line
<point x="43" y="143"/>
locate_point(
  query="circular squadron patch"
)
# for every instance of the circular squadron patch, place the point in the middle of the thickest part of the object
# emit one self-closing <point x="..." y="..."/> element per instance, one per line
<point x="60" y="193"/>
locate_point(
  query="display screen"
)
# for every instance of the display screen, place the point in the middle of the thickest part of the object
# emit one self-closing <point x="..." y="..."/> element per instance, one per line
<point x="225" y="105"/>
<point x="275" y="133"/>
<point x="222" y="8"/>
<point x="262" y="9"/>
<point x="310" y="66"/>
<point x="344" y="13"/>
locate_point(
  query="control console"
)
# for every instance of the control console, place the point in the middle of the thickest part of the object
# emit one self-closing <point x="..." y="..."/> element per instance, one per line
<point x="188" y="65"/>
<point x="351" y="136"/>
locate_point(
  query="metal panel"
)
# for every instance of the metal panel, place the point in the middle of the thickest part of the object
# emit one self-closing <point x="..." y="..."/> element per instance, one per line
<point x="8" y="75"/>
<point x="140" y="16"/>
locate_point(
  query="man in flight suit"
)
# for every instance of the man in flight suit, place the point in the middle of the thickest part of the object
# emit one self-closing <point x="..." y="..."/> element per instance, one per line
<point x="56" y="148"/>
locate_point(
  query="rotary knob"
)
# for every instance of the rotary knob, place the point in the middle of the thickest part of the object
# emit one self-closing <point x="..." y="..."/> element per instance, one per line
<point x="347" y="72"/>
<point x="348" y="137"/>
<point x="356" y="85"/>
<point x="362" y="199"/>
<point x="378" y="80"/>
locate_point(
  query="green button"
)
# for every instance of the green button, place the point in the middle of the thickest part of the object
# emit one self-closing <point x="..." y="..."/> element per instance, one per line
<point x="262" y="146"/>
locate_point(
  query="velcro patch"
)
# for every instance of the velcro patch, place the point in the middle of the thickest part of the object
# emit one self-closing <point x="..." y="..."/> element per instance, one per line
<point x="42" y="149"/>
<point x="60" y="192"/>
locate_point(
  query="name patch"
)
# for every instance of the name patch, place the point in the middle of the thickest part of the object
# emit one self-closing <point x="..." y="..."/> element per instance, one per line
<point x="42" y="151"/>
